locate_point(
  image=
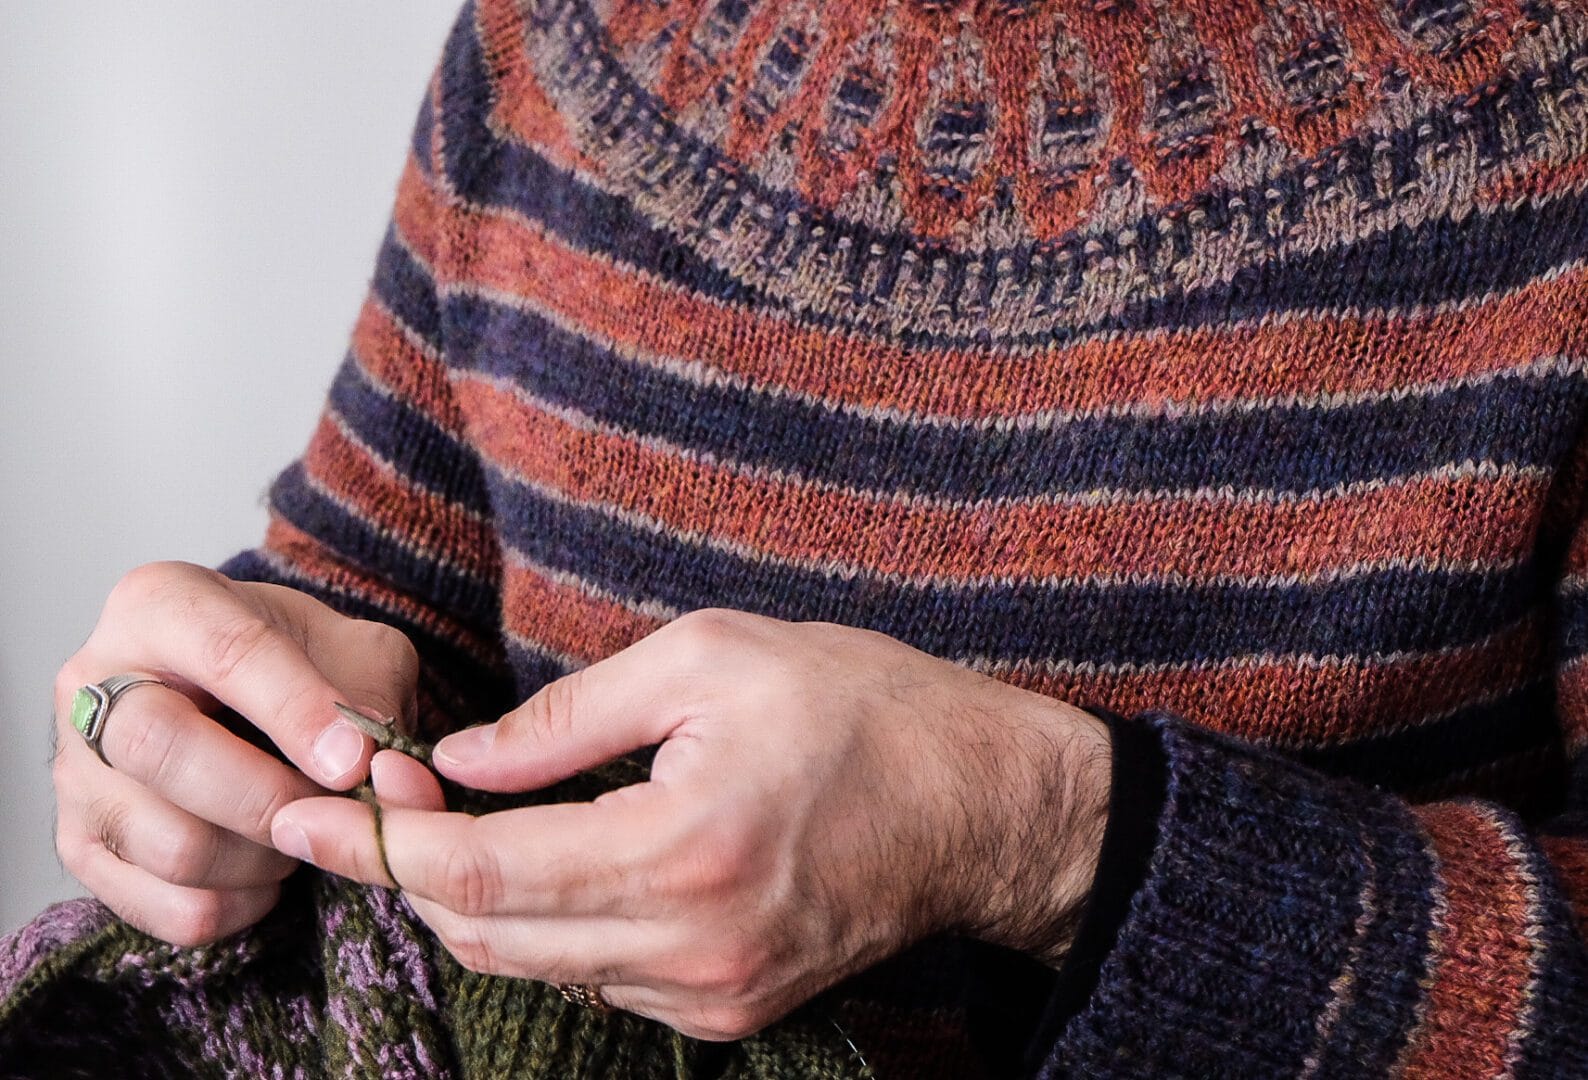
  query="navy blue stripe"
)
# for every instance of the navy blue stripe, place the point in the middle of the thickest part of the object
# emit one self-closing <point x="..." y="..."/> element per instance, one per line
<point x="1577" y="799"/>
<point x="443" y="658"/>
<point x="361" y="544"/>
<point x="505" y="173"/>
<point x="407" y="289"/>
<point x="1419" y="756"/>
<point x="423" y="133"/>
<point x="1293" y="448"/>
<point x="531" y="670"/>
<point x="1387" y="611"/>
<point x="1571" y="627"/>
<point x="423" y="452"/>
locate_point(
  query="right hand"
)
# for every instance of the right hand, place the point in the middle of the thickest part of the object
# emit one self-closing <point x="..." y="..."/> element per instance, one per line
<point x="175" y="837"/>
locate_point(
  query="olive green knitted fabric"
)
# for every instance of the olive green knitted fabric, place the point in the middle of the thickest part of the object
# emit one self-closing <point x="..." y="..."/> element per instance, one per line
<point x="341" y="981"/>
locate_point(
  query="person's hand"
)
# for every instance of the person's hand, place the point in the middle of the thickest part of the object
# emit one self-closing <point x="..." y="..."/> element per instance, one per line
<point x="822" y="797"/>
<point x="175" y="836"/>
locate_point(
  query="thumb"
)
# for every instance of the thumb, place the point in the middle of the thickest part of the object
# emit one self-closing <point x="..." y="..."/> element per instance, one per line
<point x="575" y="723"/>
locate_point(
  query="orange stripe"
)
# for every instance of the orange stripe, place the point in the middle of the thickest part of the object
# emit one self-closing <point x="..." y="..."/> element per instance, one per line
<point x="1296" y="705"/>
<point x="1320" y="354"/>
<point x="387" y="354"/>
<point x="565" y="619"/>
<point x="309" y="557"/>
<point x="1543" y="180"/>
<point x="439" y="530"/>
<point x="417" y="212"/>
<point x="1200" y="539"/>
<point x="1575" y="562"/>
<point x="1485" y="961"/>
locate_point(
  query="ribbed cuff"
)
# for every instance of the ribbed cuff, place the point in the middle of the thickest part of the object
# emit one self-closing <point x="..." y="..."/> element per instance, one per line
<point x="1252" y="907"/>
<point x="1017" y="1004"/>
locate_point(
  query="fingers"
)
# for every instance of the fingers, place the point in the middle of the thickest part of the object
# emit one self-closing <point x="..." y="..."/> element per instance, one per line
<point x="174" y="913"/>
<point x="563" y="859"/>
<point x="574" y="723"/>
<point x="583" y="949"/>
<point x="336" y="834"/>
<point x="158" y="738"/>
<point x="339" y="834"/>
<point x="400" y="781"/>
<point x="211" y="633"/>
<point x="143" y="829"/>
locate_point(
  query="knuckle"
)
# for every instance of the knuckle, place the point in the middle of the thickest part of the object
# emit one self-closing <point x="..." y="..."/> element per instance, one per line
<point x="733" y="971"/>
<point x="106" y="821"/>
<point x="139" y="584"/>
<point x="231" y="644"/>
<point x="470" y="881"/>
<point x="146" y="751"/>
<point x="714" y="865"/>
<point x="155" y="581"/>
<point x="70" y="848"/>
<point x="195" y="918"/>
<point x="256" y="809"/>
<point x="389" y="648"/>
<point x="470" y="948"/>
<point x="548" y="716"/>
<point x="707" y="630"/>
<point x="725" y="1023"/>
<point x="183" y="855"/>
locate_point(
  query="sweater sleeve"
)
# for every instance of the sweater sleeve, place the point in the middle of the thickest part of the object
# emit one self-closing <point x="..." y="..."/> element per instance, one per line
<point x="386" y="515"/>
<point x="1282" y="922"/>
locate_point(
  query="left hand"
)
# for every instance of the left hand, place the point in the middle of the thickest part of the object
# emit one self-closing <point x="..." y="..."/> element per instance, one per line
<point x="822" y="798"/>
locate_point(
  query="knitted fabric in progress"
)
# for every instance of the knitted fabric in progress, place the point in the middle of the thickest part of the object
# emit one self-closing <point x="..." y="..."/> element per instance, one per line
<point x="1220" y="363"/>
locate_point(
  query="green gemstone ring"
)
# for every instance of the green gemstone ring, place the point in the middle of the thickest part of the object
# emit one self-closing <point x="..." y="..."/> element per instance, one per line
<point x="91" y="706"/>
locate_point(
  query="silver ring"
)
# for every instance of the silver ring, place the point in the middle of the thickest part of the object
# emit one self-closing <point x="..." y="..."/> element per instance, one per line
<point x="91" y="706"/>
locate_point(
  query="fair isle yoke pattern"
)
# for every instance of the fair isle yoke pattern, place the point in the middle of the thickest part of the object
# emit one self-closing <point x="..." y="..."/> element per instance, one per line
<point x="1217" y="363"/>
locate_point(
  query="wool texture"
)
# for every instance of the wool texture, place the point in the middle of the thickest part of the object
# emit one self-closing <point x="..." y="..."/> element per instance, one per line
<point x="1217" y="364"/>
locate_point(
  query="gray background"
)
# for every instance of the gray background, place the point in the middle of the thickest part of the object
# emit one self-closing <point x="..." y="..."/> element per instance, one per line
<point x="192" y="193"/>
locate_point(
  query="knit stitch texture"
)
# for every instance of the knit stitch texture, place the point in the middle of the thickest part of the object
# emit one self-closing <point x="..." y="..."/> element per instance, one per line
<point x="1219" y="363"/>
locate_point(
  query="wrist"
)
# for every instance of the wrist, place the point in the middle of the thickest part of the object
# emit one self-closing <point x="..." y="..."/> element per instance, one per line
<point x="1044" y="832"/>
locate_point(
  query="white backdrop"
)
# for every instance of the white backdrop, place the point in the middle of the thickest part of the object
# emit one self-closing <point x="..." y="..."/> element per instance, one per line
<point x="191" y="197"/>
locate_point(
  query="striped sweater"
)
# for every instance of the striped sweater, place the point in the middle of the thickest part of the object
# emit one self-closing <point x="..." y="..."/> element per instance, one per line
<point x="1216" y="364"/>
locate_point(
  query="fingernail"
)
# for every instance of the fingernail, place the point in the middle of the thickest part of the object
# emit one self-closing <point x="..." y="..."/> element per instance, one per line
<point x="290" y="839"/>
<point x="470" y="744"/>
<point x="337" y="750"/>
